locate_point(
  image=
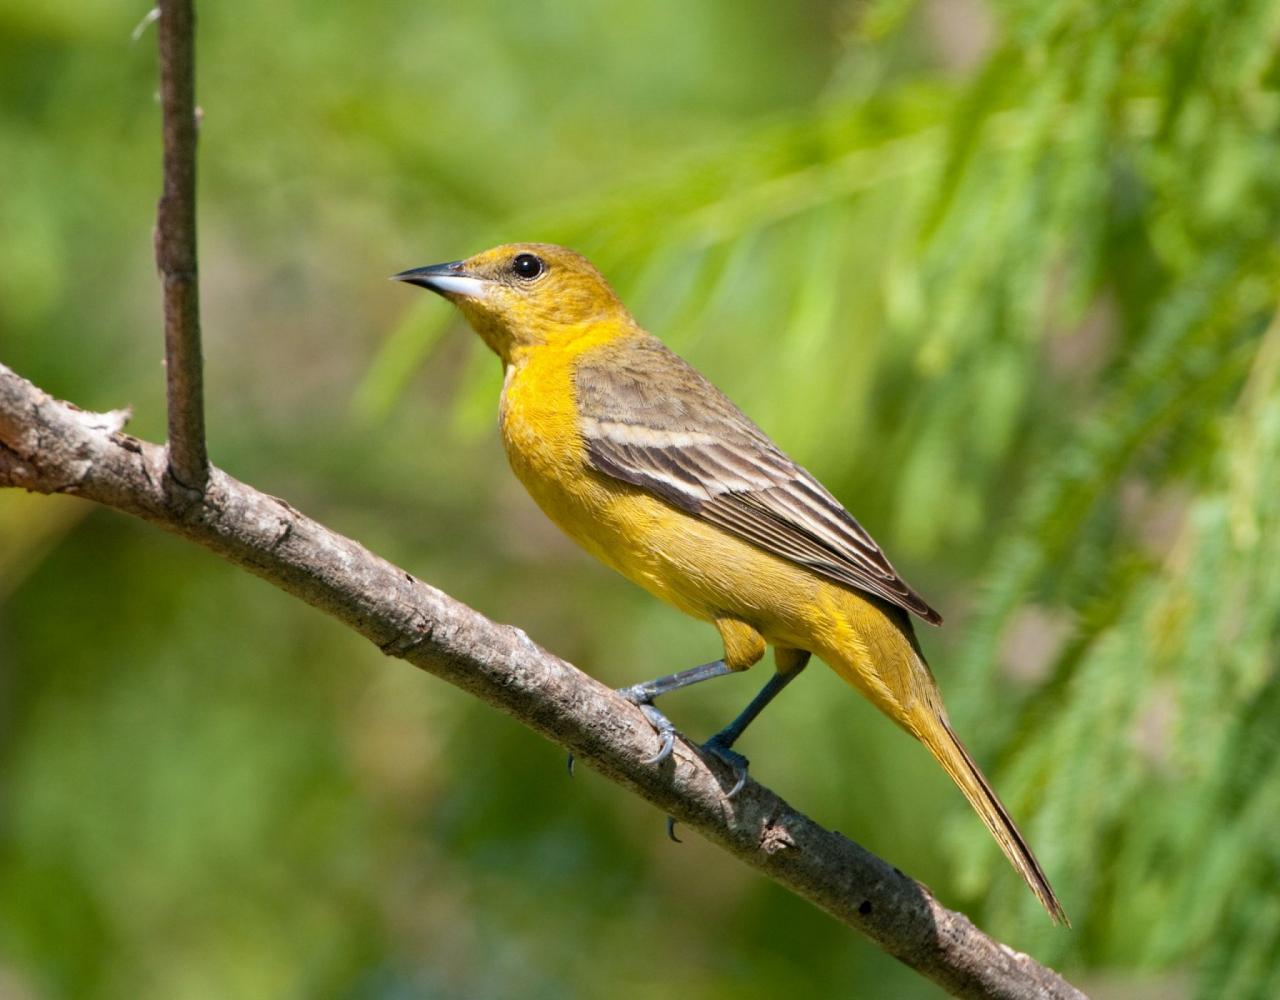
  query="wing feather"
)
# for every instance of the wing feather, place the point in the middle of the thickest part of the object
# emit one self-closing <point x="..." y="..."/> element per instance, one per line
<point x="700" y="453"/>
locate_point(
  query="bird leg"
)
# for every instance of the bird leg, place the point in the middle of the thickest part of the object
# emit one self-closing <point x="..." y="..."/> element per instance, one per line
<point x="642" y="695"/>
<point x="721" y="744"/>
<point x="790" y="663"/>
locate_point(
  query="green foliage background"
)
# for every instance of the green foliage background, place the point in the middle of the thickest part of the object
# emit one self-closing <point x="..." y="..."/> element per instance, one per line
<point x="1003" y="275"/>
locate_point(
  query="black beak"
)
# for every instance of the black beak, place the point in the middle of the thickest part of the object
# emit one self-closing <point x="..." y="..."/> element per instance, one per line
<point x="427" y="277"/>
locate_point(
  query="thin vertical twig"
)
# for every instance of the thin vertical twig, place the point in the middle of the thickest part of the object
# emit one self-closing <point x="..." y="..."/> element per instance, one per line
<point x="188" y="459"/>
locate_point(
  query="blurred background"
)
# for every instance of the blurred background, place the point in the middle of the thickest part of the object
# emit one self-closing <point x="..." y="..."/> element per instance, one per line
<point x="1003" y="275"/>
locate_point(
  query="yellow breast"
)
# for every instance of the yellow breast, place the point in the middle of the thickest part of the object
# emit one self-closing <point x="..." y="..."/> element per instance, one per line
<point x="701" y="570"/>
<point x="539" y="423"/>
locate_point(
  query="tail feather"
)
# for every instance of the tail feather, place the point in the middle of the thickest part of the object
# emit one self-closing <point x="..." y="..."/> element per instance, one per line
<point x="956" y="761"/>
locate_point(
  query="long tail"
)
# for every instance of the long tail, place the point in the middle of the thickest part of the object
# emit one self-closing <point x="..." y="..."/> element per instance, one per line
<point x="873" y="646"/>
<point x="956" y="761"/>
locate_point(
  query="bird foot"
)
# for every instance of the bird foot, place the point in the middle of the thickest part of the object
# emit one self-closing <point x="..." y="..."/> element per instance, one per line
<point x="663" y="726"/>
<point x="664" y="729"/>
<point x="642" y="696"/>
<point x="719" y="748"/>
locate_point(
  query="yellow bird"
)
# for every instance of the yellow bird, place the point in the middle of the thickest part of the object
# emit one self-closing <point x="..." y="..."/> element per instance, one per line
<point x="649" y="467"/>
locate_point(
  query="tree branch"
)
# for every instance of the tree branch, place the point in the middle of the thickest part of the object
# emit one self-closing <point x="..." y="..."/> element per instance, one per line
<point x="50" y="446"/>
<point x="188" y="464"/>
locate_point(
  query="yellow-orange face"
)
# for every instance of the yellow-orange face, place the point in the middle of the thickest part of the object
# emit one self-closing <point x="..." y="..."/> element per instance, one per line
<point x="523" y="294"/>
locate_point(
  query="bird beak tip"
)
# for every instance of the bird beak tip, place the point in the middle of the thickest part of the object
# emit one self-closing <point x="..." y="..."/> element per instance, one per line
<point x="421" y="276"/>
<point x="444" y="279"/>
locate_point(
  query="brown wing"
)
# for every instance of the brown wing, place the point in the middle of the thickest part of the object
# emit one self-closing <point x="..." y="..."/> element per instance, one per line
<point x="681" y="439"/>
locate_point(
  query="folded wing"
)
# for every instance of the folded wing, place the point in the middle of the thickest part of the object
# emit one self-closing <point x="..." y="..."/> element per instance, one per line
<point x="693" y="448"/>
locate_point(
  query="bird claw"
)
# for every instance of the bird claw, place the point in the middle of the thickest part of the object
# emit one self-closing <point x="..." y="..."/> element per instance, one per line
<point x="733" y="760"/>
<point x="642" y="698"/>
<point x="664" y="728"/>
<point x="671" y="830"/>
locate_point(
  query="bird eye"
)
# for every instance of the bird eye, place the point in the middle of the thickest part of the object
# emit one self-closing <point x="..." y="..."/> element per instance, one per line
<point x="527" y="266"/>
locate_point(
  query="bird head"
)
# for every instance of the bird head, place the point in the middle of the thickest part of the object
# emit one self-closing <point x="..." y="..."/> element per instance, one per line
<point x="520" y="295"/>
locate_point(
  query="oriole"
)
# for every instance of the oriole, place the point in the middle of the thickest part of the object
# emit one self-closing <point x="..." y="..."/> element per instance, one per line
<point x="642" y="461"/>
